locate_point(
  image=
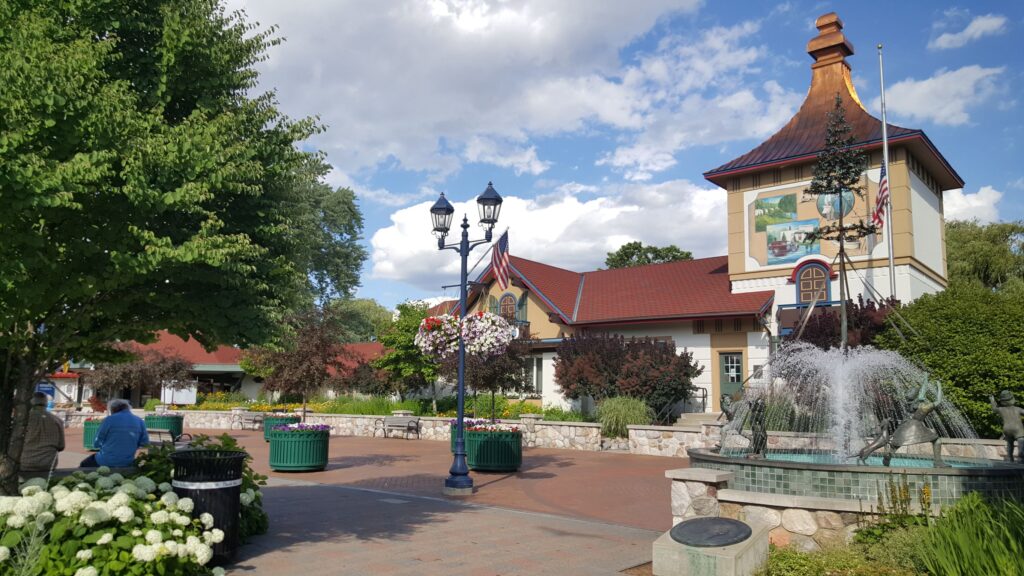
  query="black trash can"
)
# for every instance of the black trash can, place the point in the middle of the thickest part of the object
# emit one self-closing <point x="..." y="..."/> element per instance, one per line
<point x="213" y="480"/>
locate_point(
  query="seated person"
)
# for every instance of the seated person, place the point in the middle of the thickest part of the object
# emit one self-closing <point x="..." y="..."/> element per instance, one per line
<point x="120" y="435"/>
<point x="44" y="438"/>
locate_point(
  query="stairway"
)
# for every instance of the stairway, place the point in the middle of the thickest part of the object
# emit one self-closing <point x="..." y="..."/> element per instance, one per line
<point x="696" y="418"/>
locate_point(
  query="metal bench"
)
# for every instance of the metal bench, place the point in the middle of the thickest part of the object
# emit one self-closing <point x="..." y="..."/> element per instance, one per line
<point x="252" y="420"/>
<point x="405" y="424"/>
<point x="162" y="435"/>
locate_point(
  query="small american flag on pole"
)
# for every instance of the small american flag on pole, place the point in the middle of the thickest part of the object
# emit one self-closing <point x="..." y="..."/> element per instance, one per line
<point x="878" y="216"/>
<point x="499" y="260"/>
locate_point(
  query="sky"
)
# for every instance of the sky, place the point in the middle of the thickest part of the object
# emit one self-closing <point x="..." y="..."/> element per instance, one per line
<point x="595" y="119"/>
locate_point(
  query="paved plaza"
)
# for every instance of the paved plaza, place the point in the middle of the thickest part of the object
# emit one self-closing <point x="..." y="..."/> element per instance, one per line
<point x="378" y="509"/>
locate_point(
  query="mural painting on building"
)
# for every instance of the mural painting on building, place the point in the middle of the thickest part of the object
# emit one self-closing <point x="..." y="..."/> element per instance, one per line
<point x="791" y="241"/>
<point x="774" y="210"/>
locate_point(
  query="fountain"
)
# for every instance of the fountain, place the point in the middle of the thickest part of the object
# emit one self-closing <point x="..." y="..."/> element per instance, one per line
<point x="812" y="423"/>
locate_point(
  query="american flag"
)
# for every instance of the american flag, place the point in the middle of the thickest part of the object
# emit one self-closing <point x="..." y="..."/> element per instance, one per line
<point x="499" y="260"/>
<point x="878" y="216"/>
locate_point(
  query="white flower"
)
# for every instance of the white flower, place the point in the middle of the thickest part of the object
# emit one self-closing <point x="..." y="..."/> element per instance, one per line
<point x="5" y="553"/>
<point x="181" y="520"/>
<point x="207" y="519"/>
<point x="45" y="498"/>
<point x="145" y="484"/>
<point x="104" y="483"/>
<point x="44" y="519"/>
<point x="94" y="513"/>
<point x="218" y="571"/>
<point x="165" y="487"/>
<point x="170" y="548"/>
<point x="144" y="553"/>
<point x="177" y="533"/>
<point x="72" y="503"/>
<point x="105" y="539"/>
<point x="124" y="514"/>
<point x="186" y="505"/>
<point x="154" y="537"/>
<point x="91" y="476"/>
<point x="29" y="507"/>
<point x="136" y="533"/>
<point x="170" y="499"/>
<point x="30" y="489"/>
<point x="103" y="470"/>
<point x="87" y="571"/>
<point x="116" y="477"/>
<point x="119" y="499"/>
<point x="203" y="554"/>
<point x="159" y="517"/>
<point x="129" y="489"/>
<point x="216" y="535"/>
<point x="85" y="555"/>
<point x="7" y="504"/>
<point x="15" y="521"/>
<point x="245" y="498"/>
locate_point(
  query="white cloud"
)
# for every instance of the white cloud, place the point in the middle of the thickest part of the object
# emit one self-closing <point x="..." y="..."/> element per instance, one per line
<point x="1018" y="183"/>
<point x="979" y="27"/>
<point x="981" y="205"/>
<point x="945" y="97"/>
<point x="569" y="232"/>
<point x="420" y="85"/>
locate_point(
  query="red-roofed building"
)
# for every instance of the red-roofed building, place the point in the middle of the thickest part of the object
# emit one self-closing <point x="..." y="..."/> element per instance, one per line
<point x="726" y="309"/>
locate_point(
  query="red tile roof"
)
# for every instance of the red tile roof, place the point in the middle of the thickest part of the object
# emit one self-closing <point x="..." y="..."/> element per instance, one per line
<point x="803" y="137"/>
<point x="685" y="289"/>
<point x="169" y="344"/>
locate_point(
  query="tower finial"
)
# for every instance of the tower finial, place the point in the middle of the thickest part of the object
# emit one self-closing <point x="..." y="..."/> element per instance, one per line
<point x="830" y="46"/>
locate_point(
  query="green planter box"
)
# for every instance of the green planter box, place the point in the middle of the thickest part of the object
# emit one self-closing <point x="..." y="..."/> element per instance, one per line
<point x="91" y="427"/>
<point x="173" y="422"/>
<point x="298" y="450"/>
<point x="494" y="451"/>
<point x="270" y="421"/>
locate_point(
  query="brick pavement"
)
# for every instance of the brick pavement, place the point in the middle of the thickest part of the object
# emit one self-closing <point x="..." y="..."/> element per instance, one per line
<point x="378" y="509"/>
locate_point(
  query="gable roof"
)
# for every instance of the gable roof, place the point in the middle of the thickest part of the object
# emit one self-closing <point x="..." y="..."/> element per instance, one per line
<point x="803" y="137"/>
<point x="656" y="292"/>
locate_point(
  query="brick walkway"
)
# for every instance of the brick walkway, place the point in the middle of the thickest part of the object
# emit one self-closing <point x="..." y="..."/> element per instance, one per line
<point x="378" y="509"/>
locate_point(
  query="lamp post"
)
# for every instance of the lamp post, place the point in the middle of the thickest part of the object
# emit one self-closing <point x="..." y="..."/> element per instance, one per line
<point x="458" y="483"/>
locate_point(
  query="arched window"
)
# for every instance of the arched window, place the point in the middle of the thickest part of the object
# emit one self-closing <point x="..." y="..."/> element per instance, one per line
<point x="507" y="307"/>
<point x="812" y="284"/>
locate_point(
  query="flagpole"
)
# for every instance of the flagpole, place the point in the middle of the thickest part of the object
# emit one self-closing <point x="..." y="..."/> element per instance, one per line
<point x="885" y="167"/>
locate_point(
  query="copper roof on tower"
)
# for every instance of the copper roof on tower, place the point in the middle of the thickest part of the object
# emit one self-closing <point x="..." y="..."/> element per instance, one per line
<point x="803" y="137"/>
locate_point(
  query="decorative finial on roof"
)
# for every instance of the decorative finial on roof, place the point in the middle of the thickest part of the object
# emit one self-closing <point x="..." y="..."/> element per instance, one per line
<point x="830" y="46"/>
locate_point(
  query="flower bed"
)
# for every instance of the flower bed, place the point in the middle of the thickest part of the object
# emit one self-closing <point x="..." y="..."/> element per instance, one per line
<point x="299" y="447"/>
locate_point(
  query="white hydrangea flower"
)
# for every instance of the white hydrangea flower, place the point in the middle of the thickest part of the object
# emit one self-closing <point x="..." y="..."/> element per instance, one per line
<point x="170" y="499"/>
<point x="45" y="498"/>
<point x="245" y="498"/>
<point x="181" y="520"/>
<point x="119" y="499"/>
<point x="104" y="483"/>
<point x="159" y="517"/>
<point x="95" y="513"/>
<point x="84" y="555"/>
<point x="203" y="554"/>
<point x="170" y="548"/>
<point x="116" y="477"/>
<point x="186" y="505"/>
<point x="87" y="571"/>
<point x="207" y="519"/>
<point x="165" y="487"/>
<point x="28" y="507"/>
<point x="143" y="553"/>
<point x="216" y="536"/>
<point x="124" y="514"/>
<point x="177" y="533"/>
<point x="40" y="482"/>
<point x="103" y="470"/>
<point x="5" y="553"/>
<point x="218" y="571"/>
<point x="59" y="490"/>
<point x="15" y="521"/>
<point x="154" y="537"/>
<point x="92" y="476"/>
<point x="136" y="533"/>
<point x="7" y="504"/>
<point x="45" y="518"/>
<point x="72" y="503"/>
<point x="105" y="539"/>
<point x="145" y="484"/>
<point x="30" y="489"/>
<point x="129" y="489"/>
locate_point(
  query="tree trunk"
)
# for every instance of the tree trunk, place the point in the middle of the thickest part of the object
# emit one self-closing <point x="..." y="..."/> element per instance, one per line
<point x="19" y="377"/>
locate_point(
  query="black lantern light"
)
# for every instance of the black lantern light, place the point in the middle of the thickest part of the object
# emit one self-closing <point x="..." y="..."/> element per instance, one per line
<point x="489" y="204"/>
<point x="441" y="213"/>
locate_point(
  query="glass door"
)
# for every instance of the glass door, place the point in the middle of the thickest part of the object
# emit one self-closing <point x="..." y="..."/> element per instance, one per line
<point x="731" y="372"/>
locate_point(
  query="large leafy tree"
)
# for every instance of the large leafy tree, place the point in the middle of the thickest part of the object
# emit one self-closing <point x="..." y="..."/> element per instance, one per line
<point x="145" y="186"/>
<point x="408" y="368"/>
<point x="992" y="254"/>
<point x="636" y="254"/>
<point x="149" y="371"/>
<point x="364" y="317"/>
<point x="969" y="337"/>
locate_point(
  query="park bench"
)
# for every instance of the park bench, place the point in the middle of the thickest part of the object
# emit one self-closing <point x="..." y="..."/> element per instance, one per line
<point x="405" y="424"/>
<point x="252" y="420"/>
<point x="162" y="435"/>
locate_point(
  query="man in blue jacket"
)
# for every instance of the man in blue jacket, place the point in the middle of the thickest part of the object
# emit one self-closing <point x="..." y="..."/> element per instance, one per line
<point x="120" y="435"/>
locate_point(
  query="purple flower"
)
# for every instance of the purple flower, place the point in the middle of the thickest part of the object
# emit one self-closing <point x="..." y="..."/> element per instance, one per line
<point x="302" y="428"/>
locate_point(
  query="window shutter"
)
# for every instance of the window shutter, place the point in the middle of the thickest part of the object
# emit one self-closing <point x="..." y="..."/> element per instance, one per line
<point x="521" y="309"/>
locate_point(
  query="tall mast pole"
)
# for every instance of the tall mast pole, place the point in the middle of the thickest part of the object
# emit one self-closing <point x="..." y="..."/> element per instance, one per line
<point x="885" y="165"/>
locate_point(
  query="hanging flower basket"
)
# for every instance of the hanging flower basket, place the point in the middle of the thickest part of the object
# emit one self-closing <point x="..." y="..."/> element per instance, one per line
<point x="484" y="334"/>
<point x="299" y="447"/>
<point x="92" y="426"/>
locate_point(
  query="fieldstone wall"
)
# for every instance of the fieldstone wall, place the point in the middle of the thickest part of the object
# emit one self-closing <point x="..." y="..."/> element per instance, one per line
<point x="804" y="523"/>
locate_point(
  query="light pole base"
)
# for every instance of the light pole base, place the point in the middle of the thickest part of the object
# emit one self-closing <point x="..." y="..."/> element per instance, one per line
<point x="449" y="491"/>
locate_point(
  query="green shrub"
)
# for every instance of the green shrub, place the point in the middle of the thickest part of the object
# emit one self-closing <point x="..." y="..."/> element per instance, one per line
<point x="557" y="414"/>
<point x="900" y="548"/>
<point x="151" y="404"/>
<point x="615" y="414"/>
<point x="374" y="405"/>
<point x="976" y="537"/>
<point x="836" y="561"/>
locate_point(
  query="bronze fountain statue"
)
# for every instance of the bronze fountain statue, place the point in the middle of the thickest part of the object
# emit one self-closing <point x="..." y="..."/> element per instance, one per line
<point x="913" y="430"/>
<point x="1013" y="432"/>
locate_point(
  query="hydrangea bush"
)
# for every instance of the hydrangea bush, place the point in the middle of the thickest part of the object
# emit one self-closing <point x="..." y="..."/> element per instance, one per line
<point x="98" y="522"/>
<point x="485" y="335"/>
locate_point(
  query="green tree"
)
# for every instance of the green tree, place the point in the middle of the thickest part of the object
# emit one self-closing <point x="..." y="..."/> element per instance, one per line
<point x="970" y="338"/>
<point x="364" y="318"/>
<point x="149" y="371"/>
<point x="146" y="186"/>
<point x="503" y="373"/>
<point x="636" y="254"/>
<point x="409" y="369"/>
<point x="988" y="253"/>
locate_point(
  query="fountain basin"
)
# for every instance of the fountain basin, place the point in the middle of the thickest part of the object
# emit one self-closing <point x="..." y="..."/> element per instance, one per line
<point x="815" y="473"/>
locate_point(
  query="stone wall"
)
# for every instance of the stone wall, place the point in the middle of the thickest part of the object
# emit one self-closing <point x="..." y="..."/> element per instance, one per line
<point x="804" y="523"/>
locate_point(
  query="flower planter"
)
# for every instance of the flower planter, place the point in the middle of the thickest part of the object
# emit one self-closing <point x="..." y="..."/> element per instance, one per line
<point x="89" y="436"/>
<point x="298" y="450"/>
<point x="270" y="421"/>
<point x="175" y="423"/>
<point x="494" y="451"/>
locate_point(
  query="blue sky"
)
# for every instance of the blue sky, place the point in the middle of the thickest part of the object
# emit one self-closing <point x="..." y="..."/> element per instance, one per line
<point x="596" y="119"/>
